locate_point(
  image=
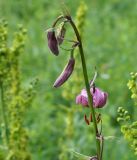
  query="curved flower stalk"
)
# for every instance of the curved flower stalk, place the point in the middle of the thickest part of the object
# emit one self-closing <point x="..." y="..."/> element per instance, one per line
<point x="91" y="97"/>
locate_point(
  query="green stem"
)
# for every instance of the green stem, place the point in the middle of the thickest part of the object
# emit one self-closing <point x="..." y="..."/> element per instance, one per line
<point x="102" y="147"/>
<point x="5" y="126"/>
<point x="58" y="18"/>
<point x="86" y="84"/>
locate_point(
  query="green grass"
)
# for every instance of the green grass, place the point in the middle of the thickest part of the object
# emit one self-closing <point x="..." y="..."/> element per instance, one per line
<point x="110" y="44"/>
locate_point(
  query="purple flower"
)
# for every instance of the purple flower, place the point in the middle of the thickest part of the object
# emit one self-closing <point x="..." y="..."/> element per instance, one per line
<point x="99" y="98"/>
<point x="82" y="98"/>
<point x="52" y="41"/>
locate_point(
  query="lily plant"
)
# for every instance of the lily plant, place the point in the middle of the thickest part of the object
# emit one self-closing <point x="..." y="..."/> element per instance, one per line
<point x="91" y="96"/>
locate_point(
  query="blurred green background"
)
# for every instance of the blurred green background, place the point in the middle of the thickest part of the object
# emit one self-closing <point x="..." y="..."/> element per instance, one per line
<point x="110" y="44"/>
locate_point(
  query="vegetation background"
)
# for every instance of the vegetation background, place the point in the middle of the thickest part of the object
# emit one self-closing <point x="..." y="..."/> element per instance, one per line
<point x="110" y="44"/>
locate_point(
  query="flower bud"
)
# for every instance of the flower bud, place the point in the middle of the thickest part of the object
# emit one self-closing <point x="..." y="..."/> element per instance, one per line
<point x="52" y="41"/>
<point x="66" y="73"/>
<point x="61" y="33"/>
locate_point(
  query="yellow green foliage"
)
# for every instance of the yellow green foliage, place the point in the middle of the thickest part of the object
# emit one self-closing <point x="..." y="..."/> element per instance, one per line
<point x="128" y="127"/>
<point x="132" y="85"/>
<point x="14" y="99"/>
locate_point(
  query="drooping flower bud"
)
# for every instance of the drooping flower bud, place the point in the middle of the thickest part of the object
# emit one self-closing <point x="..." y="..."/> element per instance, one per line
<point x="61" y="33"/>
<point x="66" y="73"/>
<point x="52" y="41"/>
<point x="99" y="98"/>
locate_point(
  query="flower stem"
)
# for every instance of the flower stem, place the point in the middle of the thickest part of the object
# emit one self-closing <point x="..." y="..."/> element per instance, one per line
<point x="86" y="84"/>
<point x="5" y="128"/>
<point x="102" y="147"/>
<point x="59" y="18"/>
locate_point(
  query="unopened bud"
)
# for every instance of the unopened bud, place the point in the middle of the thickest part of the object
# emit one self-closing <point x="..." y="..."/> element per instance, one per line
<point x="66" y="73"/>
<point x="52" y="41"/>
